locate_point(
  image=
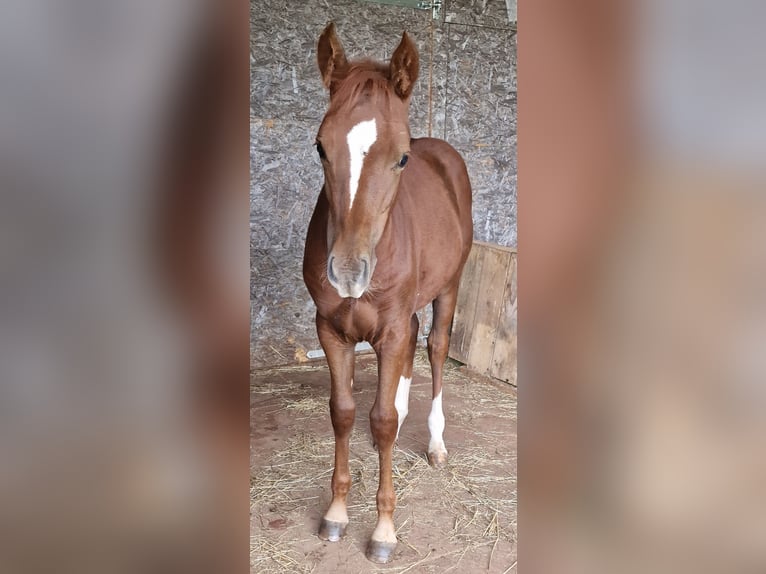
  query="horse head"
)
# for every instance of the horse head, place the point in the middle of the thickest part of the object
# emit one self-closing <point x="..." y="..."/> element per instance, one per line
<point x="364" y="145"/>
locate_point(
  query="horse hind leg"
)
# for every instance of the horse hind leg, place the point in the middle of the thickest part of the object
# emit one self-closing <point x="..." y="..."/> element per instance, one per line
<point x="405" y="380"/>
<point x="438" y="346"/>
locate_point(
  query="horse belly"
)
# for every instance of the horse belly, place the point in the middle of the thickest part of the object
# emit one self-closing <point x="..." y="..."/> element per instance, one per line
<point x="435" y="281"/>
<point x="445" y="247"/>
<point x="439" y="211"/>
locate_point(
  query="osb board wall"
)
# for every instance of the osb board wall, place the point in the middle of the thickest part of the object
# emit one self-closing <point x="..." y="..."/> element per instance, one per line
<point x="484" y="328"/>
<point x="473" y="107"/>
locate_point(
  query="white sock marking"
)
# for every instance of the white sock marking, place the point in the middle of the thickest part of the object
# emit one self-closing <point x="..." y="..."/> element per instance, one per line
<point x="360" y="140"/>
<point x="436" y="426"/>
<point x="384" y="531"/>
<point x="402" y="401"/>
<point x="337" y="512"/>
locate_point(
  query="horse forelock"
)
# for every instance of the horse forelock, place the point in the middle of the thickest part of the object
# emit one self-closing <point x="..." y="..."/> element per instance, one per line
<point x="362" y="79"/>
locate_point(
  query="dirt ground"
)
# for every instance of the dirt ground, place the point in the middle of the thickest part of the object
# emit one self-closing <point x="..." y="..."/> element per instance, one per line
<point x="461" y="518"/>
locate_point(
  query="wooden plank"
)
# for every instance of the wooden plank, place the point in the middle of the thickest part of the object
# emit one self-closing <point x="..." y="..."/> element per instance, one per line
<point x="504" y="366"/>
<point x="496" y="264"/>
<point x="484" y="329"/>
<point x="465" y="310"/>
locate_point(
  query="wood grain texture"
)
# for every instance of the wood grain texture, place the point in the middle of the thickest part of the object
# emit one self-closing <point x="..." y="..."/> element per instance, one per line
<point x="484" y="327"/>
<point x="504" y="352"/>
<point x="465" y="310"/>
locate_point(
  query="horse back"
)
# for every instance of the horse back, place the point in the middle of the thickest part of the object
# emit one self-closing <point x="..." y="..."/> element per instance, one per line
<point x="447" y="164"/>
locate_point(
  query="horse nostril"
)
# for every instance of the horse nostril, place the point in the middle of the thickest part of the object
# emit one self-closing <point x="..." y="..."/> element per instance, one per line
<point x="330" y="271"/>
<point x="365" y="273"/>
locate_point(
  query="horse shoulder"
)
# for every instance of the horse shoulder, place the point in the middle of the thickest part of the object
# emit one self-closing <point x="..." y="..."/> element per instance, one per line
<point x="448" y="164"/>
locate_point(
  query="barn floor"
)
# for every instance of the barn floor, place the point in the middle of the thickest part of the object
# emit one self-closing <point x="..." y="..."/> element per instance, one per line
<point x="461" y="518"/>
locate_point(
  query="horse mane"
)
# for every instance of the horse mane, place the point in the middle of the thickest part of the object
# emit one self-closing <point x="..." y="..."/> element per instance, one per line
<point x="362" y="80"/>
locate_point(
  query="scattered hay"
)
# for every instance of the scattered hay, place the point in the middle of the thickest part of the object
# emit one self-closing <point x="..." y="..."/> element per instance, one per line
<point x="430" y="557"/>
<point x="269" y="556"/>
<point x="477" y="487"/>
<point x="451" y="371"/>
<point x="479" y="498"/>
<point x="500" y="402"/>
<point x="309" y="405"/>
<point x="277" y="381"/>
<point x="273" y="387"/>
<point x="314" y="366"/>
<point x="289" y="481"/>
<point x="409" y="471"/>
<point x="276" y="376"/>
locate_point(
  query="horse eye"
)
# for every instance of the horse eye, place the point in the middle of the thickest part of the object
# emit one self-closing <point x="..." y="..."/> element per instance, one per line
<point x="403" y="161"/>
<point x="320" y="151"/>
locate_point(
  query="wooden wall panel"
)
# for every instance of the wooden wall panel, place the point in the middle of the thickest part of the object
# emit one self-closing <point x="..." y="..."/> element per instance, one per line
<point x="484" y="328"/>
<point x="503" y="365"/>
<point x="463" y="321"/>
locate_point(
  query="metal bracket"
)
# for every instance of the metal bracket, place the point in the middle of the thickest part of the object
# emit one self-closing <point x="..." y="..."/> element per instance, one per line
<point x="435" y="6"/>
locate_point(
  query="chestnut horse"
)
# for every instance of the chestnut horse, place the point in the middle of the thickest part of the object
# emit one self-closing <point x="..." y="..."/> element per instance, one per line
<point x="390" y="233"/>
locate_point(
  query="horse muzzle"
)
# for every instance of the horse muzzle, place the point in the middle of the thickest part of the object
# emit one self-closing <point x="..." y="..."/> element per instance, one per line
<point x="349" y="276"/>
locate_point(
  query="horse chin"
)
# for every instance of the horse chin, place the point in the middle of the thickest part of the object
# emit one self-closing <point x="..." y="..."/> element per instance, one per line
<point x="351" y="291"/>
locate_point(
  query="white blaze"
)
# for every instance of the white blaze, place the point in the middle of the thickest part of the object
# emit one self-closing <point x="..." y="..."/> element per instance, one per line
<point x="436" y="426"/>
<point x="402" y="401"/>
<point x="360" y="140"/>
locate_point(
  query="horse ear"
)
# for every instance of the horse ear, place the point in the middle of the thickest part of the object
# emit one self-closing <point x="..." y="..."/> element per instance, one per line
<point x="330" y="54"/>
<point x="404" y="67"/>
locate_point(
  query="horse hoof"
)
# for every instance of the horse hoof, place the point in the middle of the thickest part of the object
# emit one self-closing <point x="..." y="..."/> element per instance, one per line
<point x="380" y="552"/>
<point x="331" y="530"/>
<point x="437" y="459"/>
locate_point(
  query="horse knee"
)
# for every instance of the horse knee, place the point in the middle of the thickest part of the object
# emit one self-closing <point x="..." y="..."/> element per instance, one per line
<point x="342" y="412"/>
<point x="383" y="419"/>
<point x="383" y="423"/>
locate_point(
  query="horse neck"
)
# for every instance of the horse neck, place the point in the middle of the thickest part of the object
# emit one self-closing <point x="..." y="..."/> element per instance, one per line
<point x="396" y="241"/>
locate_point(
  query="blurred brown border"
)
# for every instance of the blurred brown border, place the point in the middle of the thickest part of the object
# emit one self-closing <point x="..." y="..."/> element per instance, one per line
<point x="208" y="168"/>
<point x="573" y="145"/>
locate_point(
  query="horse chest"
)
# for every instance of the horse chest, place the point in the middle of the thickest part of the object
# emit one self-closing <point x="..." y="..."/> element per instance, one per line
<point x="356" y="319"/>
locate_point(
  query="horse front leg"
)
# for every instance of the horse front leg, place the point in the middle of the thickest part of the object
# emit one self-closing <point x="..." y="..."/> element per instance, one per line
<point x="392" y="356"/>
<point x="340" y="358"/>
